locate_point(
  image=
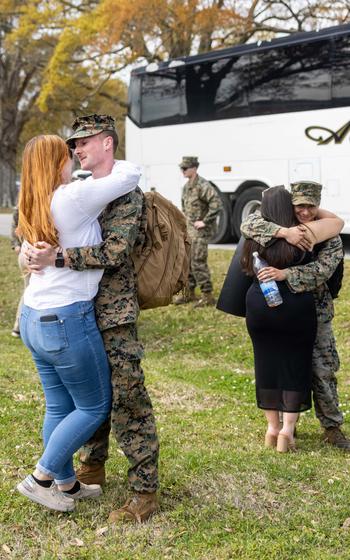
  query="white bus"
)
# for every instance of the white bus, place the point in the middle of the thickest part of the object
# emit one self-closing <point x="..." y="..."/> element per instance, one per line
<point x="256" y="115"/>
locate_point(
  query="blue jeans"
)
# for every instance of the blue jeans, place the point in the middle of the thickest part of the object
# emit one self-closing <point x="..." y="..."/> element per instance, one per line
<point x="68" y="351"/>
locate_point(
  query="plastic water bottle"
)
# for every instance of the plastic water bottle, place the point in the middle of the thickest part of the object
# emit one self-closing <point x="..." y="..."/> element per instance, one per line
<point x="269" y="289"/>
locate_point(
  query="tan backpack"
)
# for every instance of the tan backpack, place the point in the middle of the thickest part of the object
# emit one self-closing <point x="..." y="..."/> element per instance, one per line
<point x="162" y="263"/>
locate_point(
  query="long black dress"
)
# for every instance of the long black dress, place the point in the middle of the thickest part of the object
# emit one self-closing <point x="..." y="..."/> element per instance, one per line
<point x="283" y="339"/>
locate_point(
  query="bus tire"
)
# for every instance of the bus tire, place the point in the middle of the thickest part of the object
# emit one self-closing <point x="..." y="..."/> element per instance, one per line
<point x="247" y="202"/>
<point x="223" y="230"/>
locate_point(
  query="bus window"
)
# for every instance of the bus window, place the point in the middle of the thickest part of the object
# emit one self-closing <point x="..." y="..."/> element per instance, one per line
<point x="341" y="71"/>
<point x="296" y="78"/>
<point x="231" y="98"/>
<point x="135" y="99"/>
<point x="313" y="86"/>
<point x="200" y="91"/>
<point x="217" y="89"/>
<point x="163" y="98"/>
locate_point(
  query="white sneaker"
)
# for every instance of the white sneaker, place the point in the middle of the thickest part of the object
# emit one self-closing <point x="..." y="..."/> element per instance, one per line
<point x="86" y="491"/>
<point x="50" y="497"/>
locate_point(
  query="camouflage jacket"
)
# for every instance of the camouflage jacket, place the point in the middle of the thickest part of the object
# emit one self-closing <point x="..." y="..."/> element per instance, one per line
<point x="262" y="231"/>
<point x="200" y="201"/>
<point x="15" y="241"/>
<point x="307" y="277"/>
<point x="123" y="225"/>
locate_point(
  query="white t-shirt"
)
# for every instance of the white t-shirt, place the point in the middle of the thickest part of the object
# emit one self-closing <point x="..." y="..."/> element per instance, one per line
<point x="75" y="208"/>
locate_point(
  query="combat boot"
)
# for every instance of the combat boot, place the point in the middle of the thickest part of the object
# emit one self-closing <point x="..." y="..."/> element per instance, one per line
<point x="334" y="436"/>
<point x="185" y="297"/>
<point x="138" y="508"/>
<point x="92" y="474"/>
<point x="206" y="299"/>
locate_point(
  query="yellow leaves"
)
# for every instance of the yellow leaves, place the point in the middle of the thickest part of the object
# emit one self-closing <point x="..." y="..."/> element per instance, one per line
<point x="33" y="20"/>
<point x="222" y="17"/>
<point x="128" y="22"/>
<point x="56" y="74"/>
<point x="161" y="28"/>
<point x="7" y="7"/>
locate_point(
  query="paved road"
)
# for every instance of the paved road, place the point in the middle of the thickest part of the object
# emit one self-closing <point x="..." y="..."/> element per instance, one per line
<point x="5" y="229"/>
<point x="5" y="224"/>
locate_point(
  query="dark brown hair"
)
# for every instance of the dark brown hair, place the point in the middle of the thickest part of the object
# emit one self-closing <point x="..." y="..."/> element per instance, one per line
<point x="276" y="206"/>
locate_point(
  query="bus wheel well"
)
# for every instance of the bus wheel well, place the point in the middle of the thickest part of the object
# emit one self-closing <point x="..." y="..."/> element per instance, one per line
<point x="248" y="200"/>
<point x="248" y="185"/>
<point x="224" y="228"/>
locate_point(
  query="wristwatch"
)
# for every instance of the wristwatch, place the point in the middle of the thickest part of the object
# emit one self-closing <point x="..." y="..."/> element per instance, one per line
<point x="59" y="262"/>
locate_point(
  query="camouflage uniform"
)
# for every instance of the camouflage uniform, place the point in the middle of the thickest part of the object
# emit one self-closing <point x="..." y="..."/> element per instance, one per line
<point x="312" y="277"/>
<point x="200" y="201"/>
<point x="132" y="419"/>
<point x="90" y="125"/>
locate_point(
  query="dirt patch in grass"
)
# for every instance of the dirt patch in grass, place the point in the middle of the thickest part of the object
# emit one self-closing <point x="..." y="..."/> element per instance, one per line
<point x="245" y="495"/>
<point x="176" y="396"/>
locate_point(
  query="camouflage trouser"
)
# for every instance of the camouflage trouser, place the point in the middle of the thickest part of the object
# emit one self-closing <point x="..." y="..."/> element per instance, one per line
<point x="132" y="418"/>
<point x="199" y="271"/>
<point x="325" y="362"/>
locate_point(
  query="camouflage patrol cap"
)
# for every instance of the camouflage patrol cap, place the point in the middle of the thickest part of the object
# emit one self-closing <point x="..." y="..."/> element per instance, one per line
<point x="306" y="192"/>
<point x="189" y="161"/>
<point x="90" y="125"/>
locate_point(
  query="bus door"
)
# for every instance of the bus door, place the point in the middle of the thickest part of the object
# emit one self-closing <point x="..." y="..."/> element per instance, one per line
<point x="306" y="169"/>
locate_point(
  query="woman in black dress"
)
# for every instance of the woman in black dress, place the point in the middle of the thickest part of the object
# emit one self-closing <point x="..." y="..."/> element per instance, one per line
<point x="282" y="336"/>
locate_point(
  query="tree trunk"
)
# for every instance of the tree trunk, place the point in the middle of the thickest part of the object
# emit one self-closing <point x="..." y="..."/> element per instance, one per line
<point x="8" y="187"/>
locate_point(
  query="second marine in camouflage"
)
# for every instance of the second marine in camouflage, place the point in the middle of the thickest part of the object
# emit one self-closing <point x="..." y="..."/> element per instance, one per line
<point x="313" y="277"/>
<point x="201" y="204"/>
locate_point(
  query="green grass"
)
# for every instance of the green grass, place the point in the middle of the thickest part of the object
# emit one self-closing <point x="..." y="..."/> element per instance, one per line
<point x="223" y="496"/>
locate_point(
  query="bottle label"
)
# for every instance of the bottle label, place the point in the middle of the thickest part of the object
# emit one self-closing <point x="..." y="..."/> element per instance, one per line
<point x="269" y="287"/>
<point x="271" y="293"/>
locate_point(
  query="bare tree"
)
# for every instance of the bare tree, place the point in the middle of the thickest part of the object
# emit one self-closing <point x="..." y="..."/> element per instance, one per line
<point x="20" y="73"/>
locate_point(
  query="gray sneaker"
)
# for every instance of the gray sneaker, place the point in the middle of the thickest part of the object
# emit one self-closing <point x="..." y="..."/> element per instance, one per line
<point x="50" y="497"/>
<point x="86" y="491"/>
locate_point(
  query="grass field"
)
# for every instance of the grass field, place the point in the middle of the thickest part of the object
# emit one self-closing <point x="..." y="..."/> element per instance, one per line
<point x="223" y="496"/>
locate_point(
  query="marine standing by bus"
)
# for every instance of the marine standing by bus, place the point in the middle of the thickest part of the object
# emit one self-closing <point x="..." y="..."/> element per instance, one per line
<point x="201" y="205"/>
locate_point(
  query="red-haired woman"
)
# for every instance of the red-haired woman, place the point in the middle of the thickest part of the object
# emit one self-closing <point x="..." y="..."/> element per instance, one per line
<point x="58" y="321"/>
